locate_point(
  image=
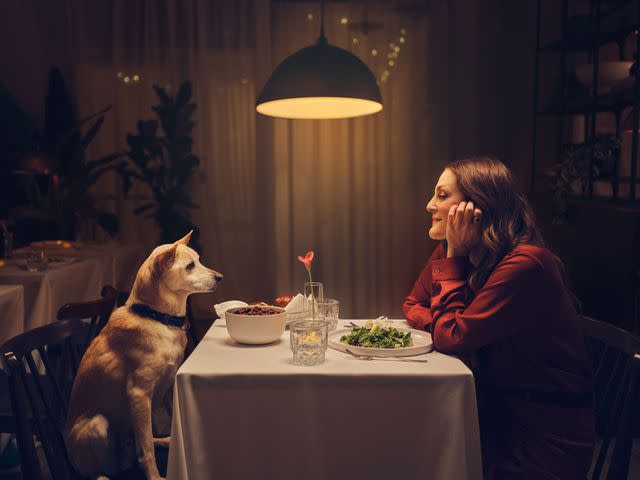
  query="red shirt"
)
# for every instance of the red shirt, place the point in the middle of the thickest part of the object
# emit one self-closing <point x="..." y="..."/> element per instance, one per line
<point x="526" y="340"/>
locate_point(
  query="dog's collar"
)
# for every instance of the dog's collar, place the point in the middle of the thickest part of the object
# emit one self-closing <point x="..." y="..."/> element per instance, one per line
<point x="149" y="312"/>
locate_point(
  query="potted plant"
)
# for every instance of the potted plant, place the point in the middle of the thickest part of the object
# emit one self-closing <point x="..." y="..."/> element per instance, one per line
<point x="56" y="154"/>
<point x="571" y="174"/>
<point x="161" y="157"/>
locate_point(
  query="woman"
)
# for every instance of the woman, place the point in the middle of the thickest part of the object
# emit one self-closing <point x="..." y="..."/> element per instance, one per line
<point x="492" y="293"/>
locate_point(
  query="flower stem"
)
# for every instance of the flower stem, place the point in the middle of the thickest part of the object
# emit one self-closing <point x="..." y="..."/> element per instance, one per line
<point x="313" y="300"/>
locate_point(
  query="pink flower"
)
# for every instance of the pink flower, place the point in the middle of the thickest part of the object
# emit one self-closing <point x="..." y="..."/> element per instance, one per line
<point x="307" y="259"/>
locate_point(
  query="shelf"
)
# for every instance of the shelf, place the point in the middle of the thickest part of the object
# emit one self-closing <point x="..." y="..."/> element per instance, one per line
<point x="611" y="102"/>
<point x="585" y="41"/>
<point x="616" y="22"/>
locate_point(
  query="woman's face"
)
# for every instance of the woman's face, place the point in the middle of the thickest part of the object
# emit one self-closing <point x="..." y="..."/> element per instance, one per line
<point x="445" y="195"/>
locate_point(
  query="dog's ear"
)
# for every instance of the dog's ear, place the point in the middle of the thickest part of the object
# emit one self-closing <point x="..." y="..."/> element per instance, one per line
<point x="164" y="260"/>
<point x="185" y="240"/>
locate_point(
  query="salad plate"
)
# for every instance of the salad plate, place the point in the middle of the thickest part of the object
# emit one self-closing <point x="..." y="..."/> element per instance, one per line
<point x="421" y="343"/>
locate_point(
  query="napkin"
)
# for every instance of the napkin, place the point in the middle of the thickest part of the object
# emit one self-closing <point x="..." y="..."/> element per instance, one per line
<point x="296" y="305"/>
<point x="221" y="308"/>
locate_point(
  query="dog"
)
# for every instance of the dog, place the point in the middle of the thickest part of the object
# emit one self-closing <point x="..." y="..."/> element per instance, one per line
<point x="130" y="366"/>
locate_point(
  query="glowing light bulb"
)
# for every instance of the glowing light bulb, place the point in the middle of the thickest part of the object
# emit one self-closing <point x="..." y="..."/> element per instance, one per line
<point x="355" y="40"/>
<point x="344" y="20"/>
<point x="391" y="63"/>
<point x="401" y="39"/>
<point x="120" y="74"/>
<point x="126" y="79"/>
<point x="396" y="49"/>
<point x="136" y="78"/>
<point x="309" y="16"/>
<point x="374" y="52"/>
<point x="403" y="31"/>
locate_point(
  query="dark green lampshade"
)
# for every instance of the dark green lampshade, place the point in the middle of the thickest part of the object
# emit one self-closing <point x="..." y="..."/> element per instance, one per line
<point x="320" y="82"/>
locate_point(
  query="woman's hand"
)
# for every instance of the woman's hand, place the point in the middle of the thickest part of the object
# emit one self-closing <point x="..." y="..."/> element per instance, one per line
<point x="463" y="229"/>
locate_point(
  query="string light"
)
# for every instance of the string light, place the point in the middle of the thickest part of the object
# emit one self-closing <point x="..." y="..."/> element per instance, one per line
<point x="136" y="78"/>
<point x="344" y="20"/>
<point x="355" y="40"/>
<point x="309" y="16"/>
<point x="120" y="74"/>
<point x="374" y="52"/>
<point x="401" y="39"/>
<point x="126" y="79"/>
<point x="403" y="31"/>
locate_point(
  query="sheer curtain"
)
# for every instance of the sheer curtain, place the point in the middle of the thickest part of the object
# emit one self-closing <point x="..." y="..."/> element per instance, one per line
<point x="271" y="189"/>
<point x="354" y="190"/>
<point x="124" y="48"/>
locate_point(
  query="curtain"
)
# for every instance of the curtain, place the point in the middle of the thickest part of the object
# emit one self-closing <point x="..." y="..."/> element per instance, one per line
<point x="354" y="190"/>
<point x="269" y="189"/>
<point x="124" y="48"/>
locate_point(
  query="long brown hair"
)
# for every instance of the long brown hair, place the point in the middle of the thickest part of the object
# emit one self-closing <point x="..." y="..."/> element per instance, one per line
<point x="507" y="217"/>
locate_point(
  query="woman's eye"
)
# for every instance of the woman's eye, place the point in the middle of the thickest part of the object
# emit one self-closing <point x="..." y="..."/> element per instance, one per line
<point x="191" y="266"/>
<point x="442" y="195"/>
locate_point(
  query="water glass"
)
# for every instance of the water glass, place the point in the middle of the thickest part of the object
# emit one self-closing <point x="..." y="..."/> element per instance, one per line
<point x="37" y="261"/>
<point x="7" y="244"/>
<point x="318" y="295"/>
<point x="308" y="341"/>
<point x="328" y="309"/>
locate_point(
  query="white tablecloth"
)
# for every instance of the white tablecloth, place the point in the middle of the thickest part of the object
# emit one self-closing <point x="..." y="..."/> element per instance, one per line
<point x="245" y="412"/>
<point x="45" y="292"/>
<point x="11" y="311"/>
<point x="120" y="262"/>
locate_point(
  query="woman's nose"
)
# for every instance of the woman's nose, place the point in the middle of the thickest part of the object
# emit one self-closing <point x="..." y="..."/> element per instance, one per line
<point x="430" y="206"/>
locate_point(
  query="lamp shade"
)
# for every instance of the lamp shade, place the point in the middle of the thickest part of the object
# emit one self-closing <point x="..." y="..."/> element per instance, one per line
<point x="320" y="82"/>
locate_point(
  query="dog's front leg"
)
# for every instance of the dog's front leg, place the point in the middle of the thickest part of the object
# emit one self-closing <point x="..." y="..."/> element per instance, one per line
<point x="140" y="408"/>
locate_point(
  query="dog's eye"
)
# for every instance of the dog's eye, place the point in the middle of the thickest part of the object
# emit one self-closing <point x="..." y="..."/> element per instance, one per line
<point x="190" y="266"/>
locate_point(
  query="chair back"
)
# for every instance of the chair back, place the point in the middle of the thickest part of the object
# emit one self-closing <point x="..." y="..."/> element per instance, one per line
<point x="39" y="386"/>
<point x="616" y="365"/>
<point x="98" y="311"/>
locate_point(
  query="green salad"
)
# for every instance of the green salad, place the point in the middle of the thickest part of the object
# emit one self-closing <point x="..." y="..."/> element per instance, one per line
<point x="377" y="336"/>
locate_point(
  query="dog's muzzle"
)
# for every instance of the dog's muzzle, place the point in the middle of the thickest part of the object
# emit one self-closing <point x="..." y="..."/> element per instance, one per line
<point x="217" y="278"/>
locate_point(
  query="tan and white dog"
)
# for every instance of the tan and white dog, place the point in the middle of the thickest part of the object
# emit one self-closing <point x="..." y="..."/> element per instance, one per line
<point x="130" y="366"/>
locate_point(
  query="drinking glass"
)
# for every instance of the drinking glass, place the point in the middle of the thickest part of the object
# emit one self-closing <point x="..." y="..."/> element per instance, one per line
<point x="308" y="341"/>
<point x="310" y="306"/>
<point x="7" y="244"/>
<point x="37" y="261"/>
<point x="328" y="309"/>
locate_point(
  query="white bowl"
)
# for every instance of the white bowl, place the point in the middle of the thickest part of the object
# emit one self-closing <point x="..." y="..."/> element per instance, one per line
<point x="609" y="73"/>
<point x="255" y="329"/>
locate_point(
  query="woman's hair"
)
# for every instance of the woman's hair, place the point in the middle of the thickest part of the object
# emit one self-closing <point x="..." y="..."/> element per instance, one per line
<point x="507" y="217"/>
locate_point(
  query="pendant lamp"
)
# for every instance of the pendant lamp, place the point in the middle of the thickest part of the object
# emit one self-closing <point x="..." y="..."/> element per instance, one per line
<point x="320" y="82"/>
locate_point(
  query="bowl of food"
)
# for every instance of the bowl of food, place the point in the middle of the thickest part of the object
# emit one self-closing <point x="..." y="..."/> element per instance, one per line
<point x="256" y="325"/>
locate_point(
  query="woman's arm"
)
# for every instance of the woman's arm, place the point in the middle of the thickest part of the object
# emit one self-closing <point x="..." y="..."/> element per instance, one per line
<point x="416" y="305"/>
<point x="460" y="327"/>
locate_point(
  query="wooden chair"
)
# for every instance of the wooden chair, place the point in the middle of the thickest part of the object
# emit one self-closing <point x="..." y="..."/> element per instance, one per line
<point x="616" y="361"/>
<point x="96" y="310"/>
<point x="40" y="394"/>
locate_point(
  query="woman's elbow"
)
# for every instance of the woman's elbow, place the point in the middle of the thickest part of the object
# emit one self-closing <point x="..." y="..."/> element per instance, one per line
<point x="450" y="341"/>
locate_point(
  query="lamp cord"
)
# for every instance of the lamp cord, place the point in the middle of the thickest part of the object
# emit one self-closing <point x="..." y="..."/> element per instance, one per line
<point x="322" y="38"/>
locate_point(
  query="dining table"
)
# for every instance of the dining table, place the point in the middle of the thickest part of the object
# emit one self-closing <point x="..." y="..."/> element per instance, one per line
<point x="247" y="411"/>
<point x="11" y="311"/>
<point x="70" y="280"/>
<point x="120" y="261"/>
